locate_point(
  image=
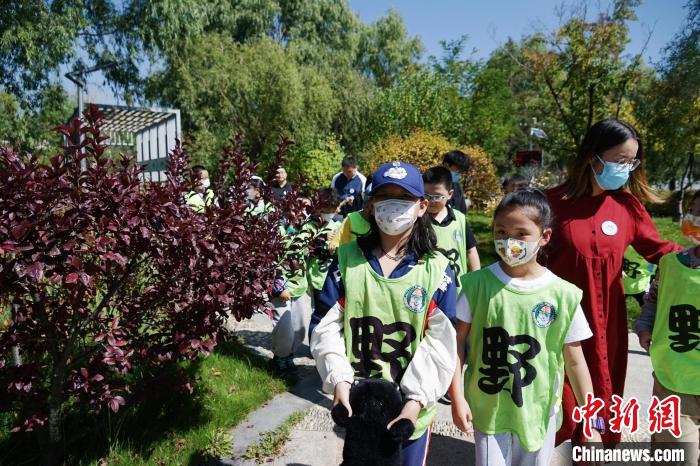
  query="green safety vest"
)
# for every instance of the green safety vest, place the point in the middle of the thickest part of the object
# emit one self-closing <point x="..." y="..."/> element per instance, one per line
<point x="675" y="348"/>
<point x="317" y="269"/>
<point x="384" y="318"/>
<point x="358" y="224"/>
<point x="452" y="243"/>
<point x="636" y="272"/>
<point x="255" y="210"/>
<point x="296" y="280"/>
<point x="197" y="202"/>
<point x="517" y="340"/>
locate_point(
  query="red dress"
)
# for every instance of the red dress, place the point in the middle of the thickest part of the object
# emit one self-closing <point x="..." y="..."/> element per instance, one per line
<point x="589" y="239"/>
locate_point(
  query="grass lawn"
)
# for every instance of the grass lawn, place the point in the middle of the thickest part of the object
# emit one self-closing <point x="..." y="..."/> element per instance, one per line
<point x="171" y="426"/>
<point x="481" y="225"/>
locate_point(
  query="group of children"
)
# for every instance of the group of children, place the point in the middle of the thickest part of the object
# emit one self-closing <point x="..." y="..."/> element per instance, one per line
<point x="398" y="293"/>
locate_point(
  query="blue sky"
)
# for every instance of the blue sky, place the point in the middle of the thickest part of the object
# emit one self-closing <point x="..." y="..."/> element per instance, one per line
<point x="488" y="25"/>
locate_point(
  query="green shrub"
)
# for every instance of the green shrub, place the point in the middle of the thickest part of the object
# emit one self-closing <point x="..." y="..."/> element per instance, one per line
<point x="315" y="163"/>
<point x="426" y="149"/>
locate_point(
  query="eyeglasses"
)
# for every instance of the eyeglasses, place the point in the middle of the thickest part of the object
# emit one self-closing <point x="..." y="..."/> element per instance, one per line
<point x="631" y="165"/>
<point x="435" y="197"/>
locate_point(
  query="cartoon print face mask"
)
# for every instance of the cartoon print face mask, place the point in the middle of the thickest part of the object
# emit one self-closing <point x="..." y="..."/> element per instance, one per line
<point x="516" y="252"/>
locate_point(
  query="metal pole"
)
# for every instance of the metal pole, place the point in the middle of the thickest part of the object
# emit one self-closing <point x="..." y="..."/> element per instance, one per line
<point x="83" y="162"/>
<point x="78" y="77"/>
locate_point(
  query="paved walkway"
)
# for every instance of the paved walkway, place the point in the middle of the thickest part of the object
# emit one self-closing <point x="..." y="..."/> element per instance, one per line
<point x="316" y="441"/>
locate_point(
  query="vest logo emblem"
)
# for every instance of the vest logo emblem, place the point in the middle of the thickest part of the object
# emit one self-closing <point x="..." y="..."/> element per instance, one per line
<point x="458" y="236"/>
<point x="543" y="314"/>
<point x="414" y="298"/>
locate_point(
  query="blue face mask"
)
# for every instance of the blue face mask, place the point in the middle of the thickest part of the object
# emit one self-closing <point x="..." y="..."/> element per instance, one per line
<point x="613" y="175"/>
<point x="456" y="177"/>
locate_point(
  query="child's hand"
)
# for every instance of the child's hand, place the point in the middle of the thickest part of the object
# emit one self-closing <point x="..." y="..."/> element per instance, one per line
<point x="331" y="248"/>
<point x="342" y="395"/>
<point x="594" y="438"/>
<point x="285" y="296"/>
<point x="462" y="415"/>
<point x="644" y="340"/>
<point x="410" y="411"/>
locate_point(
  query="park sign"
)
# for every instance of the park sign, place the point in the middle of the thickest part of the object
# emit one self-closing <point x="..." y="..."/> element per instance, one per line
<point x="148" y="132"/>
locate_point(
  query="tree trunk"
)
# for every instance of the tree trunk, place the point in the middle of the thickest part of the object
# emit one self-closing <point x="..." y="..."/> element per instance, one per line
<point x="16" y="356"/>
<point x="687" y="174"/>
<point x="51" y="446"/>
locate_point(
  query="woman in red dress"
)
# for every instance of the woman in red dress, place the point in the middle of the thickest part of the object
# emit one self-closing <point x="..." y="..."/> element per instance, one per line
<point x="598" y="214"/>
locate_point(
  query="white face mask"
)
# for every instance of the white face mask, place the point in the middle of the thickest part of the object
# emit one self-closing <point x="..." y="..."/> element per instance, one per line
<point x="395" y="216"/>
<point x="251" y="194"/>
<point x="205" y="183"/>
<point x="516" y="252"/>
<point x="327" y="217"/>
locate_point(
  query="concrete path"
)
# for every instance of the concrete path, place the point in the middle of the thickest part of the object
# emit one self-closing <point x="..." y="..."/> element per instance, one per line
<point x="316" y="441"/>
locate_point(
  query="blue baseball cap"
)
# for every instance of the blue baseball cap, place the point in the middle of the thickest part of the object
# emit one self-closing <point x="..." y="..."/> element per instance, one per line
<point x="401" y="174"/>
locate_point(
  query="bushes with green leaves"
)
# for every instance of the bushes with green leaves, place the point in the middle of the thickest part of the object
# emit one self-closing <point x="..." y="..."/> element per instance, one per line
<point x="315" y="163"/>
<point x="426" y="149"/>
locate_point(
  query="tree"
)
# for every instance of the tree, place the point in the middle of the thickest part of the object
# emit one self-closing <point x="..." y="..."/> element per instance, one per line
<point x="110" y="279"/>
<point x="385" y="49"/>
<point x="421" y="99"/>
<point x="31" y="129"/>
<point x="224" y="87"/>
<point x="584" y="71"/>
<point x="501" y="102"/>
<point x="669" y="106"/>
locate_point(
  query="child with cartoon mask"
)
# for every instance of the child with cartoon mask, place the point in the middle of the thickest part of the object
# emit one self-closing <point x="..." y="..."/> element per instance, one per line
<point x="525" y="326"/>
<point x="386" y="305"/>
<point x="669" y="329"/>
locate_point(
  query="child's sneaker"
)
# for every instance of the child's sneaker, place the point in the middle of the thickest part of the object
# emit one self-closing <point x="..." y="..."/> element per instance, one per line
<point x="284" y="365"/>
<point x="289" y="363"/>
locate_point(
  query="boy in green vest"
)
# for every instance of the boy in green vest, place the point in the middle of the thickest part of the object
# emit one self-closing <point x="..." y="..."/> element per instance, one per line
<point x="254" y="197"/>
<point x="455" y="240"/>
<point x="290" y="296"/>
<point x="325" y="227"/>
<point x="355" y="224"/>
<point x="669" y="329"/>
<point x="636" y="275"/>
<point x="524" y="325"/>
<point x="201" y="195"/>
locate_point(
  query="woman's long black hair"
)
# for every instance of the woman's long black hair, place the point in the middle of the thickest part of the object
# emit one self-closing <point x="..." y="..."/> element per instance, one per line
<point x="422" y="241"/>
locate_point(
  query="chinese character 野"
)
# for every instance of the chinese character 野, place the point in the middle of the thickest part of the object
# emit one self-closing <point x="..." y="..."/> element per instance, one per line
<point x="684" y="324"/>
<point x="453" y="256"/>
<point x="624" y="415"/>
<point x="631" y="269"/>
<point x="587" y="412"/>
<point x="368" y="335"/>
<point x="498" y="345"/>
<point x="665" y="415"/>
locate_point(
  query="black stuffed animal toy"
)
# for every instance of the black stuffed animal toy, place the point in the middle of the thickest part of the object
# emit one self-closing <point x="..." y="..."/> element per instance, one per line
<point x="374" y="403"/>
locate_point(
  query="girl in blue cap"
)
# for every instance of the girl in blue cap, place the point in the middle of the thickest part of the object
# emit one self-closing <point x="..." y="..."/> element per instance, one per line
<point x="386" y="306"/>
